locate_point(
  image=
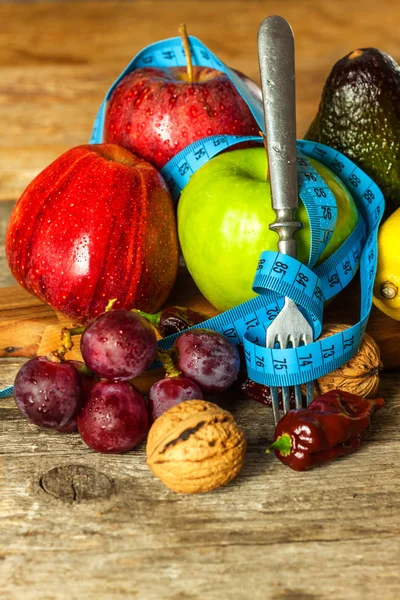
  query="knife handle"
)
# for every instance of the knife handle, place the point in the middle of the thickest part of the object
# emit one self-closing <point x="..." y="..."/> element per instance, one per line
<point x="276" y="60"/>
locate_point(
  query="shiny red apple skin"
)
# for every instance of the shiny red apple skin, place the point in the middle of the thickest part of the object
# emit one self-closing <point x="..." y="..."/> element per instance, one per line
<point x="155" y="113"/>
<point x="98" y="223"/>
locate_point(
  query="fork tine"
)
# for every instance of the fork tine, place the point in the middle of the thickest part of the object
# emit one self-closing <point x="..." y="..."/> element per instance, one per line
<point x="298" y="396"/>
<point x="307" y="338"/>
<point x="285" y="342"/>
<point x="275" y="404"/>
<point x="295" y="339"/>
<point x="289" y="328"/>
<point x="286" y="399"/>
<point x="310" y="391"/>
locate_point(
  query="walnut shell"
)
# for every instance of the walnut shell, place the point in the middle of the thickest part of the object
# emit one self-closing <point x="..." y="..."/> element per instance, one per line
<point x="195" y="446"/>
<point x="358" y="376"/>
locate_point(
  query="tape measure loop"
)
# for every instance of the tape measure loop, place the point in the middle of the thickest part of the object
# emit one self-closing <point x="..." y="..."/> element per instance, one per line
<point x="279" y="275"/>
<point x="247" y="323"/>
<point x="275" y="367"/>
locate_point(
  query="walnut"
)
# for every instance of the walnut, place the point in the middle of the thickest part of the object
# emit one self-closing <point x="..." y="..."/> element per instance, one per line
<point x="358" y="376"/>
<point x="195" y="446"/>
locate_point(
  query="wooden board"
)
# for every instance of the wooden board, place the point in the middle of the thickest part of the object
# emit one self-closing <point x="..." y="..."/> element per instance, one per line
<point x="102" y="527"/>
<point x="24" y="318"/>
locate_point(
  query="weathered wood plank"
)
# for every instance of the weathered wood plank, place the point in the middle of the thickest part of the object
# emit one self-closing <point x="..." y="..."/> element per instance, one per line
<point x="112" y="29"/>
<point x="270" y="525"/>
<point x="6" y="278"/>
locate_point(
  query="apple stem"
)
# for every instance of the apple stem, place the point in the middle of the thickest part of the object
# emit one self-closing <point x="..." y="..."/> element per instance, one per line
<point x="165" y="357"/>
<point x="186" y="46"/>
<point x="264" y="137"/>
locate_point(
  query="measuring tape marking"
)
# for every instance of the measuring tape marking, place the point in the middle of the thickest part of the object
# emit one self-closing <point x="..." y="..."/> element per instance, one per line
<point x="321" y="207"/>
<point x="322" y="210"/>
<point x="322" y="358"/>
<point x="6" y="392"/>
<point x="287" y="276"/>
<point x="180" y="168"/>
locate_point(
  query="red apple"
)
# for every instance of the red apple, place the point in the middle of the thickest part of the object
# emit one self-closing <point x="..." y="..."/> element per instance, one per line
<point x="96" y="224"/>
<point x="157" y="112"/>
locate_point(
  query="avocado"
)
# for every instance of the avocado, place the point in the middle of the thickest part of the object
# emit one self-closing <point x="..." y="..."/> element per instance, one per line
<point x="359" y="115"/>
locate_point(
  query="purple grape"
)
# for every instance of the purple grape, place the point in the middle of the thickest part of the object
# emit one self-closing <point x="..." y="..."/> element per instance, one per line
<point x="48" y="393"/>
<point x="114" y="417"/>
<point x="170" y="391"/>
<point x="207" y="358"/>
<point x="71" y="427"/>
<point x="88" y="382"/>
<point x="119" y="345"/>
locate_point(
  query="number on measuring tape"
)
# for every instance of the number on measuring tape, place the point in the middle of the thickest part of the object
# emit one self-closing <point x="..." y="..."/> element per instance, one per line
<point x="280" y="267"/>
<point x="170" y="53"/>
<point x="320" y="201"/>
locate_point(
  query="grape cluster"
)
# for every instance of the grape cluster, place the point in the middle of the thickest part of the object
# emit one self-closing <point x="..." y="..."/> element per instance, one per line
<point x="98" y="398"/>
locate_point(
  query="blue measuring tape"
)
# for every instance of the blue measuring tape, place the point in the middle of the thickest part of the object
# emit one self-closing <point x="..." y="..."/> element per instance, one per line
<point x="8" y="391"/>
<point x="278" y="275"/>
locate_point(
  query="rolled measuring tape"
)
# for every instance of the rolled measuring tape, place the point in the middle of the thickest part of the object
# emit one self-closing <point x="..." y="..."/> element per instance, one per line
<point x="278" y="275"/>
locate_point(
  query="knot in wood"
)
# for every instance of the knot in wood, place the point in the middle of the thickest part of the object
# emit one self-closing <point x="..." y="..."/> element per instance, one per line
<point x="76" y="483"/>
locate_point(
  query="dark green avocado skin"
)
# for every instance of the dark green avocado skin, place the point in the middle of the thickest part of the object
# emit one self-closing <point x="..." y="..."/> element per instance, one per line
<point x="359" y="115"/>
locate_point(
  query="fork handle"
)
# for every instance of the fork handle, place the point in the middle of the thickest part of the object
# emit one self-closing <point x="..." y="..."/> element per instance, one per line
<point x="276" y="59"/>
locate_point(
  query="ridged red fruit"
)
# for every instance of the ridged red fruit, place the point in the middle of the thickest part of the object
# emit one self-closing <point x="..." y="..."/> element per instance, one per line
<point x="98" y="223"/>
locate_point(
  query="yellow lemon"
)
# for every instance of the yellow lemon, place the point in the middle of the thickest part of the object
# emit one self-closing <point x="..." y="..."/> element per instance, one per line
<point x="387" y="282"/>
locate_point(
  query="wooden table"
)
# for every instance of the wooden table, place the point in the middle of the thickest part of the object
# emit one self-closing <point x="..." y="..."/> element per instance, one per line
<point x="102" y="527"/>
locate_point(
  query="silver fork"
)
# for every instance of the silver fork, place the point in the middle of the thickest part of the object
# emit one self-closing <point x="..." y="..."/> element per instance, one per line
<point x="276" y="58"/>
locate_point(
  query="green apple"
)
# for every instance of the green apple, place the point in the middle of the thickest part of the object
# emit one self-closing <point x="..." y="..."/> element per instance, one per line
<point x="224" y="214"/>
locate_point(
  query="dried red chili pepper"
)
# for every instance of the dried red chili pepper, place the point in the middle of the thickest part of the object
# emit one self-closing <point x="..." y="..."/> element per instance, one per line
<point x="173" y="319"/>
<point x="262" y="393"/>
<point x="331" y="426"/>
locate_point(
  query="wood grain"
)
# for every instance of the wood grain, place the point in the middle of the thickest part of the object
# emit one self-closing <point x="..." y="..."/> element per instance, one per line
<point x="75" y="524"/>
<point x="54" y="77"/>
<point x="332" y="533"/>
